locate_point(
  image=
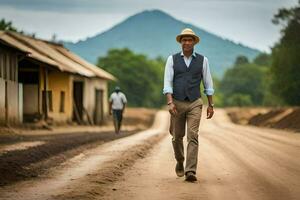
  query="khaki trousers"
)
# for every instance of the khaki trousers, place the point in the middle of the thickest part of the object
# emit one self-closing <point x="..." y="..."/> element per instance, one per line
<point x="188" y="114"/>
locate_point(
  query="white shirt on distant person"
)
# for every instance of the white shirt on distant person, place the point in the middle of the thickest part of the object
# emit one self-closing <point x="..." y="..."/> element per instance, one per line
<point x="118" y="100"/>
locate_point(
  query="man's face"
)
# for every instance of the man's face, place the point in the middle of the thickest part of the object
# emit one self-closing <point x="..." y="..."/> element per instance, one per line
<point x="187" y="43"/>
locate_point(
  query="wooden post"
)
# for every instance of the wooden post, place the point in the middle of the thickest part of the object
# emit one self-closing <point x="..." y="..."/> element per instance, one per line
<point x="6" y="104"/>
<point x="45" y="95"/>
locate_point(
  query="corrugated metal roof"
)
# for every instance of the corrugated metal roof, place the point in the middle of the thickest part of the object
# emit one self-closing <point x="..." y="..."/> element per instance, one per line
<point x="54" y="54"/>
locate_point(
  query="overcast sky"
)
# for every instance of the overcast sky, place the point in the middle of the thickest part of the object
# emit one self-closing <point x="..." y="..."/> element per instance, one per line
<point x="244" y="21"/>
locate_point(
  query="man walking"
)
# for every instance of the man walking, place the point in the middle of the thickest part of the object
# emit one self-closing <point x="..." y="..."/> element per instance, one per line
<point x="117" y="104"/>
<point x="184" y="72"/>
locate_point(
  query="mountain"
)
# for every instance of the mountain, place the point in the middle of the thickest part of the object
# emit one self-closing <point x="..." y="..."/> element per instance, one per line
<point x="153" y="33"/>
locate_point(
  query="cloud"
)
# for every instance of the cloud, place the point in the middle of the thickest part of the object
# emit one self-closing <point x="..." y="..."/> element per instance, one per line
<point x="246" y="21"/>
<point x="67" y="5"/>
<point x="111" y="6"/>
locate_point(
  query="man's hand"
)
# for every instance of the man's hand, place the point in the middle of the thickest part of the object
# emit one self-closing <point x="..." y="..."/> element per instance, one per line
<point x="210" y="112"/>
<point x="172" y="109"/>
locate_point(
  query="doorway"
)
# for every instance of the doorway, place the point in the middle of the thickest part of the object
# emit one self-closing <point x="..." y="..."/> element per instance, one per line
<point x="29" y="77"/>
<point x="78" y="101"/>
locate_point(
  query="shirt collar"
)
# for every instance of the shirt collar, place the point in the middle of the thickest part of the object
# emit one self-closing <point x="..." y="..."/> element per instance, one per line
<point x="194" y="54"/>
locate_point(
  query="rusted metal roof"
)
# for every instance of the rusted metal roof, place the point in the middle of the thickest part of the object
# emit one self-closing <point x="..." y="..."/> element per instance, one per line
<point x="54" y="54"/>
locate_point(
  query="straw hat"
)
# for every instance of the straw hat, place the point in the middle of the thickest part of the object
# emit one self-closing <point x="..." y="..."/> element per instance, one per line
<point x="187" y="32"/>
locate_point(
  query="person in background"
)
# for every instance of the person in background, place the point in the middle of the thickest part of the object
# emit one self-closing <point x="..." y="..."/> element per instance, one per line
<point x="117" y="104"/>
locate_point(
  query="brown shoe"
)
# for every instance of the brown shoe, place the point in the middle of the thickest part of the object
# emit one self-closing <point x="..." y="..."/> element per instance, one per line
<point x="179" y="169"/>
<point x="190" y="177"/>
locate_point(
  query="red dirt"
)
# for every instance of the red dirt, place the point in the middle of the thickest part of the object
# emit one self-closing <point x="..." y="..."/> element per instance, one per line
<point x="279" y="118"/>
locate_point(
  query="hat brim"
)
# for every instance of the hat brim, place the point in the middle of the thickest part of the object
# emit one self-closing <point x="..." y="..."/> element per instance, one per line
<point x="178" y="37"/>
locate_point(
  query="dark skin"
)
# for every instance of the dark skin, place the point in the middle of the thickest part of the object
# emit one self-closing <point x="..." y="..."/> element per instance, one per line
<point x="187" y="45"/>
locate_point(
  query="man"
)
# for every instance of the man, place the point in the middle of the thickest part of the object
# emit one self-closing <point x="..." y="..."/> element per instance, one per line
<point x="184" y="72"/>
<point x="117" y="104"/>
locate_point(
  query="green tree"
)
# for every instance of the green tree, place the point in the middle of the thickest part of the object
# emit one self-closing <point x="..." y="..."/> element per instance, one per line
<point x="285" y="55"/>
<point x="240" y="60"/>
<point x="7" y="26"/>
<point x="263" y="59"/>
<point x="218" y="95"/>
<point x="240" y="100"/>
<point x="243" y="84"/>
<point x="140" y="78"/>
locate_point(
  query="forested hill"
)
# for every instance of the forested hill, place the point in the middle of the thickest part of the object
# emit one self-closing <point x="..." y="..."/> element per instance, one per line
<point x="153" y="33"/>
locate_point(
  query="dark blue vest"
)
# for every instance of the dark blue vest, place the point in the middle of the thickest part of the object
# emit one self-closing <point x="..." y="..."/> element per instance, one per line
<point x="186" y="81"/>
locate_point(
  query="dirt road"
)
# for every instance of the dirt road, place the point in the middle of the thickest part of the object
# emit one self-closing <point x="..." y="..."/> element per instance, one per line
<point x="235" y="162"/>
<point x="27" y="153"/>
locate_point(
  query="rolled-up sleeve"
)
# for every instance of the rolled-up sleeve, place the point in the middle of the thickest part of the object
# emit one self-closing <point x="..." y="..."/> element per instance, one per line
<point x="168" y="76"/>
<point x="207" y="79"/>
<point x="124" y="99"/>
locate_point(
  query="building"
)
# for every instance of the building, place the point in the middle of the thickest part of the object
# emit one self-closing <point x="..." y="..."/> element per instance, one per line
<point x="50" y="83"/>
